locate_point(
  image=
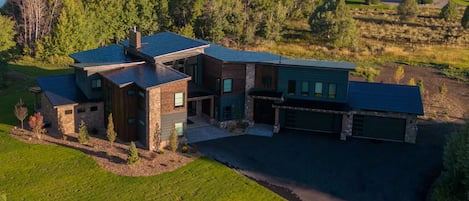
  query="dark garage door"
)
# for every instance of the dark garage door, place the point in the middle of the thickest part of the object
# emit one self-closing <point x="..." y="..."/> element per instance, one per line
<point x="378" y="127"/>
<point x="263" y="111"/>
<point x="313" y="121"/>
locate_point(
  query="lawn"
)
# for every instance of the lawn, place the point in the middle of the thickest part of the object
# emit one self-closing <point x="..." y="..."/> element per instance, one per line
<point x="49" y="172"/>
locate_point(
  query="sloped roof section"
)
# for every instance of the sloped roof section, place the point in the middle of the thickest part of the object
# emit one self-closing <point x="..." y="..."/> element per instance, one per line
<point x="166" y="43"/>
<point x="385" y="97"/>
<point x="229" y="55"/>
<point x="61" y="90"/>
<point x="109" y="54"/>
<point x="304" y="63"/>
<point x="144" y="75"/>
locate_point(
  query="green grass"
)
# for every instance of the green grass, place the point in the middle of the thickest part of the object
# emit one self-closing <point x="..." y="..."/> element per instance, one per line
<point x="49" y="172"/>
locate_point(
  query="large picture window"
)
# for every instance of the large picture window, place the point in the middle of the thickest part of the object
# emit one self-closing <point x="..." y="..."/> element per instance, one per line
<point x="179" y="99"/>
<point x="227" y="85"/>
<point x="332" y="90"/>
<point x="318" y="89"/>
<point x="305" y="88"/>
<point x="291" y="87"/>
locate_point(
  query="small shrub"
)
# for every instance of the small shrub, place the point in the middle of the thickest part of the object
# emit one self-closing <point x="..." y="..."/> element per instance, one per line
<point x="407" y="10"/>
<point x="366" y="72"/>
<point x="443" y="89"/>
<point x="421" y="86"/>
<point x="412" y="82"/>
<point x="449" y="11"/>
<point x="110" y="132"/>
<point x="184" y="148"/>
<point x="132" y="156"/>
<point x="21" y="111"/>
<point x="36" y="122"/>
<point x="173" y="140"/>
<point x="399" y="74"/>
<point x="83" y="136"/>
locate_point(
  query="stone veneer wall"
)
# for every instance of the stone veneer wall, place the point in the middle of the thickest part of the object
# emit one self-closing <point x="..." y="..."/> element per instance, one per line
<point x="250" y="81"/>
<point x="66" y="122"/>
<point x="92" y="119"/>
<point x="153" y="116"/>
<point x="48" y="111"/>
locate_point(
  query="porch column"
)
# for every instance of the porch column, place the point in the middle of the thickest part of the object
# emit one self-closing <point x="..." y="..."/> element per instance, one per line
<point x="276" y="121"/>
<point x="198" y="107"/>
<point x="411" y="129"/>
<point x="347" y="123"/>
<point x="211" y="106"/>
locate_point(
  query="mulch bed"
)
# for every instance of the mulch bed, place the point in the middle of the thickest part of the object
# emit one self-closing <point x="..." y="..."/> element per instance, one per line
<point x="113" y="159"/>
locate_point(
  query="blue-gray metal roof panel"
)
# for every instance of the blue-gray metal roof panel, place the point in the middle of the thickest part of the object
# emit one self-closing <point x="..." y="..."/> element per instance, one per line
<point x="166" y="43"/>
<point x="229" y="55"/>
<point x="385" y="97"/>
<point x="143" y="75"/>
<point x="61" y="90"/>
<point x="109" y="54"/>
<point x="315" y="64"/>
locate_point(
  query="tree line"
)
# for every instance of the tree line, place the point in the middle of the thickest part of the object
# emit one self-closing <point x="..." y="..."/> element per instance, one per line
<point x="47" y="29"/>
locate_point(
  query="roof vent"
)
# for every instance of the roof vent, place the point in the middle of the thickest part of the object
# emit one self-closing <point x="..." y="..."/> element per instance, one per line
<point x="135" y="40"/>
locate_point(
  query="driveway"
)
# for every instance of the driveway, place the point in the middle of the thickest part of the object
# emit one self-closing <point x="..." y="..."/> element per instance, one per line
<point x="321" y="167"/>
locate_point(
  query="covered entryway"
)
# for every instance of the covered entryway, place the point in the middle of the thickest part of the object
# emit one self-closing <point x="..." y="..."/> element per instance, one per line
<point x="313" y="121"/>
<point x="382" y="128"/>
<point x="263" y="111"/>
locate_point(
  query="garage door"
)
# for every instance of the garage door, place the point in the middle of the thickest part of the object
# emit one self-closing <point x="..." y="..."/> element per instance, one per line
<point x="378" y="127"/>
<point x="313" y="121"/>
<point x="263" y="111"/>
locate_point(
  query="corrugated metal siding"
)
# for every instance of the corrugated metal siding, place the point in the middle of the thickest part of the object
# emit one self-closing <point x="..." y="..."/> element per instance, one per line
<point x="168" y="121"/>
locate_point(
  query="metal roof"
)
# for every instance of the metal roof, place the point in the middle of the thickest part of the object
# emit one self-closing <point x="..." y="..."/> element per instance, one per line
<point x="385" y="97"/>
<point x="144" y="75"/>
<point x="61" y="90"/>
<point x="166" y="43"/>
<point x="229" y="55"/>
<point x="109" y="54"/>
<point x="314" y="64"/>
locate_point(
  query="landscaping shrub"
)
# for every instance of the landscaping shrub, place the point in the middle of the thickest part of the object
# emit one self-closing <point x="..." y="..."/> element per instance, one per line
<point x="173" y="140"/>
<point x="407" y="10"/>
<point x="421" y="86"/>
<point x="36" y="122"/>
<point x="83" y="136"/>
<point x="449" y="11"/>
<point x="110" y="132"/>
<point x="366" y="72"/>
<point x="443" y="89"/>
<point x="412" y="82"/>
<point x="399" y="74"/>
<point x="132" y="156"/>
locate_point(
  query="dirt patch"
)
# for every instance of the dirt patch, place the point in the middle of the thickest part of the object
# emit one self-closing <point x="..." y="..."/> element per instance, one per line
<point x="450" y="106"/>
<point x="113" y="159"/>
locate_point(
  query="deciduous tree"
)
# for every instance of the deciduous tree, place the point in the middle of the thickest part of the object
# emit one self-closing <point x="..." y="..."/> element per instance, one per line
<point x="36" y="122"/>
<point x="21" y="111"/>
<point x="449" y="11"/>
<point x="399" y="74"/>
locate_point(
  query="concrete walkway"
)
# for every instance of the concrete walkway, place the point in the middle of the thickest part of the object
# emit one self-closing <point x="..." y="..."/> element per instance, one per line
<point x="263" y="130"/>
<point x="205" y="133"/>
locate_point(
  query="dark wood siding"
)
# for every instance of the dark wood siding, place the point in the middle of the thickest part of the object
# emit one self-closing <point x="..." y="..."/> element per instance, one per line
<point x="263" y="74"/>
<point x="211" y="72"/>
<point x="237" y="72"/>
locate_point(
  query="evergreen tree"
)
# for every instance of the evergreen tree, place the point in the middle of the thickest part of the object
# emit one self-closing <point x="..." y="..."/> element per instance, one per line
<point x="449" y="11"/>
<point x="465" y="19"/>
<point x="173" y="140"/>
<point x="333" y="22"/>
<point x="407" y="10"/>
<point x="110" y="132"/>
<point x="83" y="136"/>
<point x="21" y="111"/>
<point x="165" y="20"/>
<point x="132" y="156"/>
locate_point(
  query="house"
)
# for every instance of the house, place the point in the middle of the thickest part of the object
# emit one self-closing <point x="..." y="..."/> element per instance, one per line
<point x="153" y="84"/>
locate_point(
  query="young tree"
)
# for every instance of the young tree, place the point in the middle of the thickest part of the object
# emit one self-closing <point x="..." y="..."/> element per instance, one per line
<point x="465" y="19"/>
<point x="132" y="156"/>
<point x="449" y="11"/>
<point x="399" y="74"/>
<point x="110" y="132"/>
<point x="36" y="122"/>
<point x="21" y="111"/>
<point x="407" y="10"/>
<point x="173" y="140"/>
<point x="421" y="86"/>
<point x="333" y="22"/>
<point x="443" y="89"/>
<point x="83" y="136"/>
<point x="412" y="82"/>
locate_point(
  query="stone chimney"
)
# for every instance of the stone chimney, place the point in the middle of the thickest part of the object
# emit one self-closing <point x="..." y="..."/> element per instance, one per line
<point x="135" y="40"/>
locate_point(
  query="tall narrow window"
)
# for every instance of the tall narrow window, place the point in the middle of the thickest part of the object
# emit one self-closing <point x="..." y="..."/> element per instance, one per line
<point x="332" y="90"/>
<point x="96" y="84"/>
<point x="305" y="88"/>
<point x="179" y="99"/>
<point x="179" y="128"/>
<point x="318" y="89"/>
<point x="291" y="87"/>
<point x="227" y="85"/>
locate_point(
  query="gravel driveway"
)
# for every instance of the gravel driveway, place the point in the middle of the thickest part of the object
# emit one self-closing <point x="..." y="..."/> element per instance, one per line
<point x="321" y="167"/>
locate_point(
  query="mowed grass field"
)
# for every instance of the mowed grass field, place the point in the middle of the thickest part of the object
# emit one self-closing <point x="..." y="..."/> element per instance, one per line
<point x="49" y="172"/>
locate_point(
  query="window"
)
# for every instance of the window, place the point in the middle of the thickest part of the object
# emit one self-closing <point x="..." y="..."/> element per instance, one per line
<point x="318" y="89"/>
<point x="80" y="110"/>
<point x="93" y="108"/>
<point x="267" y="81"/>
<point x="68" y="111"/>
<point x="291" y="87"/>
<point x="332" y="90"/>
<point x="179" y="128"/>
<point x="305" y="88"/>
<point x="96" y="84"/>
<point x="130" y="92"/>
<point x="179" y="99"/>
<point x="227" y="85"/>
<point x="131" y="120"/>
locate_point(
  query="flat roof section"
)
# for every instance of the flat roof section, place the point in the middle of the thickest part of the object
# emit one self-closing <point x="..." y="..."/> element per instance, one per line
<point x="61" y="89"/>
<point x="385" y="97"/>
